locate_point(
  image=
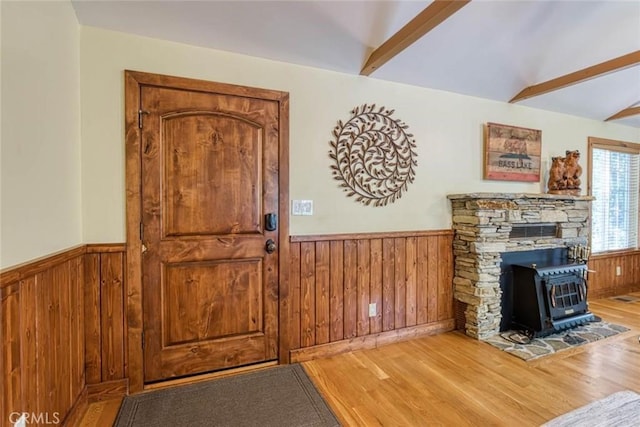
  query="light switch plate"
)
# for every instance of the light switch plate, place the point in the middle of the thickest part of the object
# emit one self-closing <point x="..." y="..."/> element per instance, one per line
<point x="302" y="207"/>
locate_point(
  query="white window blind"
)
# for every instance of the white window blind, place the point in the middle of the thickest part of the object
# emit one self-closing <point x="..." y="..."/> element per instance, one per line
<point x="615" y="184"/>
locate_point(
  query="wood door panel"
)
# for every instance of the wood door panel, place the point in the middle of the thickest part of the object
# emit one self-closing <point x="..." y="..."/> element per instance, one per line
<point x="201" y="300"/>
<point x="202" y="153"/>
<point x="186" y="359"/>
<point x="209" y="174"/>
<point x="197" y="248"/>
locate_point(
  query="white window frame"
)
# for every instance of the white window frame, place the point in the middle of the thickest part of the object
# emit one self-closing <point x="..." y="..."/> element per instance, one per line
<point x="611" y="145"/>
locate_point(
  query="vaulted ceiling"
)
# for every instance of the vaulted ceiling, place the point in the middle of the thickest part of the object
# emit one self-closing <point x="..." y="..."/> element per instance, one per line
<point x="575" y="57"/>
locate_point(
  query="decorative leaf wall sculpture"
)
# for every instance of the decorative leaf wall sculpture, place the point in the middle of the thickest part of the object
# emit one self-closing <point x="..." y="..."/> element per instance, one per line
<point x="374" y="155"/>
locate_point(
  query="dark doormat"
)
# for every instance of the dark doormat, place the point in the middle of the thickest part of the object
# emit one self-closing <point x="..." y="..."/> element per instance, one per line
<point x="279" y="396"/>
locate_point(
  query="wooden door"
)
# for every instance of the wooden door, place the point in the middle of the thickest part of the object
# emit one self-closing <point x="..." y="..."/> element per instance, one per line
<point x="209" y="173"/>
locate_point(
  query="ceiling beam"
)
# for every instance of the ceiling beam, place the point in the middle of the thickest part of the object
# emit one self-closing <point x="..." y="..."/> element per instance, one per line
<point x="631" y="111"/>
<point x="432" y="16"/>
<point x="588" y="73"/>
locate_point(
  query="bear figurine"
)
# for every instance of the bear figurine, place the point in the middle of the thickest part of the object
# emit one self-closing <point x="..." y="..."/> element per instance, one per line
<point x="572" y="170"/>
<point x="556" y="174"/>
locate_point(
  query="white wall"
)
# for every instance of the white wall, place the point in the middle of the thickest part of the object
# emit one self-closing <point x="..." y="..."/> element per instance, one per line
<point x="40" y="163"/>
<point x="447" y="129"/>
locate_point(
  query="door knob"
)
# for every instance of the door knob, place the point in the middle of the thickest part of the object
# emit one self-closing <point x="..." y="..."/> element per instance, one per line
<point x="270" y="247"/>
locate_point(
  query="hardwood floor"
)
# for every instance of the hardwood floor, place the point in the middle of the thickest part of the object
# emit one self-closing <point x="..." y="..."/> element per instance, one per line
<point x="450" y="379"/>
<point x="101" y="414"/>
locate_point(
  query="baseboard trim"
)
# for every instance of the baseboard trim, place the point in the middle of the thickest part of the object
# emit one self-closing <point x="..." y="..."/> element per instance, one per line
<point x="371" y="341"/>
<point x="108" y="390"/>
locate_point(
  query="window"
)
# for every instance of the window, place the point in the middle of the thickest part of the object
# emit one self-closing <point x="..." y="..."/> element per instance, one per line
<point x="615" y="184"/>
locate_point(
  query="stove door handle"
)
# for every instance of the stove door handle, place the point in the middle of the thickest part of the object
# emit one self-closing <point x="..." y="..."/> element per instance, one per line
<point x="583" y="289"/>
<point x="553" y="296"/>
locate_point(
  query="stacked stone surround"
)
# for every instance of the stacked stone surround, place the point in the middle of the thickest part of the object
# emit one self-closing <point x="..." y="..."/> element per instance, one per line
<point x="482" y="223"/>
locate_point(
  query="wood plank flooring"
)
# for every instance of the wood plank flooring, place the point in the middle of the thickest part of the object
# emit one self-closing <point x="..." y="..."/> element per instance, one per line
<point x="450" y="379"/>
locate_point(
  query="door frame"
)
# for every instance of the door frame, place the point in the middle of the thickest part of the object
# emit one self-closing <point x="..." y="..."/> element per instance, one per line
<point x="133" y="82"/>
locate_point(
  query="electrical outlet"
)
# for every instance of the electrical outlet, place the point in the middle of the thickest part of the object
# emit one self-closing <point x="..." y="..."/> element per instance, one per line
<point x="372" y="310"/>
<point x="618" y="270"/>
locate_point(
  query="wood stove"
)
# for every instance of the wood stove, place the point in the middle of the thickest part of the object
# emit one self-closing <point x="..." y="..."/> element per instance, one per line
<point x="549" y="297"/>
<point x="489" y="228"/>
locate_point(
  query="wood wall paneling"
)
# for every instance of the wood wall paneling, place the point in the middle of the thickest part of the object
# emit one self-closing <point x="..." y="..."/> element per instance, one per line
<point x="410" y="280"/>
<point x="112" y="315"/>
<point x="294" y="299"/>
<point x="11" y="372"/>
<point x="43" y="338"/>
<point x="350" y="288"/>
<point x="29" y="345"/>
<point x="336" y="290"/>
<point x="603" y="279"/>
<point x="400" y="288"/>
<point x="363" y="281"/>
<point x="375" y="290"/>
<point x="92" y="324"/>
<point x="388" y="284"/>
<point x="49" y="330"/>
<point x="445" y="275"/>
<point x="65" y="318"/>
<point x="105" y="315"/>
<point x="322" y="292"/>
<point x="76" y="300"/>
<point x="307" y="295"/>
<point x="334" y="279"/>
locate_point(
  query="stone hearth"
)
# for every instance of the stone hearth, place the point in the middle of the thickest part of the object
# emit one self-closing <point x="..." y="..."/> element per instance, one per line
<point x="484" y="229"/>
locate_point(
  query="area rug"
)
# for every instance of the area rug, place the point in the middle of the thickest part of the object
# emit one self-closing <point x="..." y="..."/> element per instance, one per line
<point x="554" y="343"/>
<point x="279" y="396"/>
<point x="621" y="409"/>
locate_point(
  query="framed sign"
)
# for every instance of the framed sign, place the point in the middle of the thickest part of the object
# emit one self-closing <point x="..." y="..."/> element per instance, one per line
<point x="512" y="153"/>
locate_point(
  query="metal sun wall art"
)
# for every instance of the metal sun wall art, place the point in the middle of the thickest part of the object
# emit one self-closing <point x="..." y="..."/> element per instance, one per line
<point x="374" y="155"/>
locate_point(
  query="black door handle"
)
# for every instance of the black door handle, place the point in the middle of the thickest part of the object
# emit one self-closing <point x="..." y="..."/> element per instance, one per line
<point x="270" y="246"/>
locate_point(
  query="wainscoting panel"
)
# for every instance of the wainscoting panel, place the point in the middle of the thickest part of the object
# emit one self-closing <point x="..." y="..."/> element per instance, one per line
<point x="62" y="325"/>
<point x="334" y="278"/>
<point x="41" y="317"/>
<point x="63" y="318"/>
<point x="603" y="279"/>
<point x="105" y="322"/>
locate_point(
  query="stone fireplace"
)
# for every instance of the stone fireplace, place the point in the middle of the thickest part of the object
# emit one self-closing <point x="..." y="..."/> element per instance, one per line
<point x="487" y="225"/>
